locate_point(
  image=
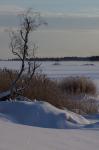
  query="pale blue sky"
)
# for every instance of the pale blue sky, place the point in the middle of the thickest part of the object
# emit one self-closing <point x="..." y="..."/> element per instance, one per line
<point x="54" y="5"/>
<point x="73" y="26"/>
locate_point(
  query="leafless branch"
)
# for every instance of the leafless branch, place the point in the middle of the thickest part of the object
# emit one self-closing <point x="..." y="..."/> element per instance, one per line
<point x="20" y="47"/>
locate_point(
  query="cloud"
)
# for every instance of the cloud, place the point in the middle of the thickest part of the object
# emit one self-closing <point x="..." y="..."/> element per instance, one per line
<point x="90" y="12"/>
<point x="10" y="9"/>
<point x="85" y="13"/>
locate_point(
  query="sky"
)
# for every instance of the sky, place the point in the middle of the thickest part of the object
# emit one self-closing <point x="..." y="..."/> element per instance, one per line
<point x="73" y="26"/>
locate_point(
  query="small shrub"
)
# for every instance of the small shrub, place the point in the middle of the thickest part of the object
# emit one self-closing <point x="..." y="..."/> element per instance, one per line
<point x="82" y="107"/>
<point x="77" y="86"/>
<point x="42" y="88"/>
<point x="6" y="78"/>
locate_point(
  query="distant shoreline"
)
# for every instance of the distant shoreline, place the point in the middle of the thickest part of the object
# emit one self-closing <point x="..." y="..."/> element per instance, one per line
<point x="73" y="58"/>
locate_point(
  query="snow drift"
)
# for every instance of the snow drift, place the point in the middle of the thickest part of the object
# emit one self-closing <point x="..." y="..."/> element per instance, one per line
<point x="40" y="114"/>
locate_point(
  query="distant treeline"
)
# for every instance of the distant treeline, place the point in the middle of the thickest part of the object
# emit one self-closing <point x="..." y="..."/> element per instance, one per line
<point x="91" y="58"/>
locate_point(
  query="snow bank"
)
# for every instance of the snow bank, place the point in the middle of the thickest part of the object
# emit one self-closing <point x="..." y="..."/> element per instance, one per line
<point x="40" y="114"/>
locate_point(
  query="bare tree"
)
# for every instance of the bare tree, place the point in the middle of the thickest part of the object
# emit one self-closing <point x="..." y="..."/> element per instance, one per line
<point x="21" y="47"/>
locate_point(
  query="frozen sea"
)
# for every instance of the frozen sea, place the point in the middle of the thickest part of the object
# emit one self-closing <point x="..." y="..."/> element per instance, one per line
<point x="59" y="70"/>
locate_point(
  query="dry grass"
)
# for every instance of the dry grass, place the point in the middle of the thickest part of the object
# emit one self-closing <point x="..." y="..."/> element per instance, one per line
<point x="77" y="86"/>
<point x="4" y="80"/>
<point x="81" y="107"/>
<point x="42" y="88"/>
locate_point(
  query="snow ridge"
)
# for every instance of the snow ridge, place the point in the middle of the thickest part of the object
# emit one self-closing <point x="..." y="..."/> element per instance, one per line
<point x="40" y="114"/>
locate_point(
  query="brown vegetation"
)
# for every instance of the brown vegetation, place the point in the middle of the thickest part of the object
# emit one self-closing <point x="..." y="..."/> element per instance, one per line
<point x="42" y="88"/>
<point x="77" y="86"/>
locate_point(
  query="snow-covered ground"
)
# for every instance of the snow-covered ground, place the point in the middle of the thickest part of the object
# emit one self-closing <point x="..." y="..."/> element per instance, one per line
<point x="18" y="137"/>
<point x="40" y="126"/>
<point x="21" y="128"/>
<point x="63" y="69"/>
